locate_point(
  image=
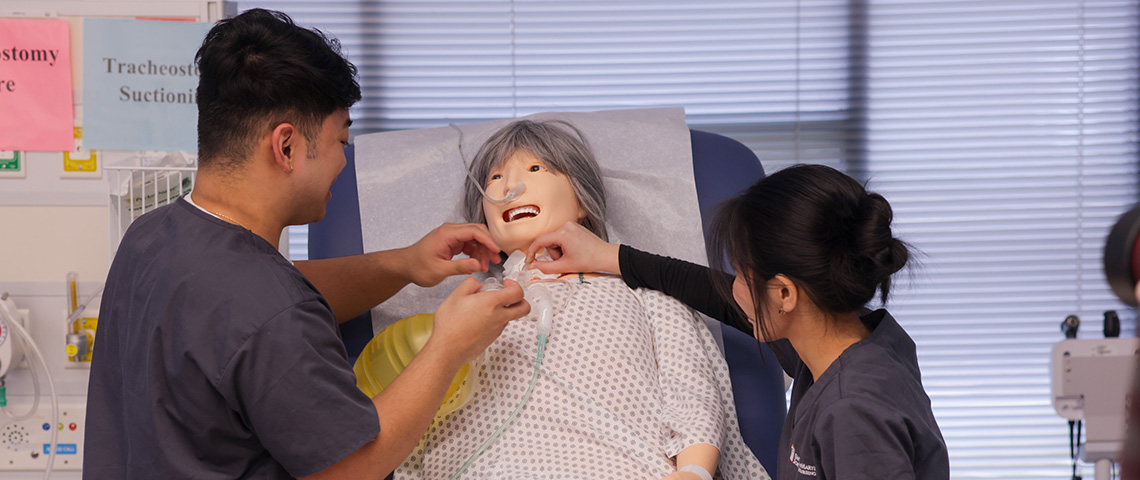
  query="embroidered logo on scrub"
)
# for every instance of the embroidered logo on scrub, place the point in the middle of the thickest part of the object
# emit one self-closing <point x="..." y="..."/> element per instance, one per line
<point x="803" y="468"/>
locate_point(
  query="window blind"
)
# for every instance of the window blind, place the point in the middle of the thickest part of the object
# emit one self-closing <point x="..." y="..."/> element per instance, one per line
<point x="1004" y="134"/>
<point x="733" y="65"/>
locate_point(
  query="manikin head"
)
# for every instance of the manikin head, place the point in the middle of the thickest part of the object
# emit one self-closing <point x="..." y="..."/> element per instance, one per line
<point x="563" y="183"/>
<point x="270" y="88"/>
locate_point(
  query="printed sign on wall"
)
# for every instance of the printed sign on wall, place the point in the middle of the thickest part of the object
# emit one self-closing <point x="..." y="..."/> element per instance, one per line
<point x="140" y="84"/>
<point x="35" y="85"/>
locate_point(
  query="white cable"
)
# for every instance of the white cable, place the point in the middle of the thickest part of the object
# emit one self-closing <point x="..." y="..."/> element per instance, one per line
<point x="31" y="345"/>
<point x="35" y="383"/>
<point x="8" y="312"/>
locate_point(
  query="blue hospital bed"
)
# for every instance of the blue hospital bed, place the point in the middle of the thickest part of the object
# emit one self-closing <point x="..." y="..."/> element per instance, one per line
<point x="722" y="168"/>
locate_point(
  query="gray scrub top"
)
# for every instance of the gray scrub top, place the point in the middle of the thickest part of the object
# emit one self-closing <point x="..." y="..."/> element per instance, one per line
<point x="216" y="358"/>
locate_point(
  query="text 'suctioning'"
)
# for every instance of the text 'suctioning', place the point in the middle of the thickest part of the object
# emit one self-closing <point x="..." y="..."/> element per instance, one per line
<point x="151" y="69"/>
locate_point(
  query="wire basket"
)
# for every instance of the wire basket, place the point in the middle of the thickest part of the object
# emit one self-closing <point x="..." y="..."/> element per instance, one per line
<point x="140" y="184"/>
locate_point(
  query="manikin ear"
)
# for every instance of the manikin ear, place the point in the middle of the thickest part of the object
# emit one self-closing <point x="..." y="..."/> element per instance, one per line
<point x="785" y="292"/>
<point x="286" y="145"/>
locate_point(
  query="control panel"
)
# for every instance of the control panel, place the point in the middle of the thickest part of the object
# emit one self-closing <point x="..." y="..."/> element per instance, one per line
<point x="24" y="445"/>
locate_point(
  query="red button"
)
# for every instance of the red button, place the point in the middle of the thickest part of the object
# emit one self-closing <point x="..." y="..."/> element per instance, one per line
<point x="72" y="426"/>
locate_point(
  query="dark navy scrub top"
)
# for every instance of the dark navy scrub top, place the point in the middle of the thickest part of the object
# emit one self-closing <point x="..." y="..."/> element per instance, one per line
<point x="216" y="359"/>
<point x="867" y="417"/>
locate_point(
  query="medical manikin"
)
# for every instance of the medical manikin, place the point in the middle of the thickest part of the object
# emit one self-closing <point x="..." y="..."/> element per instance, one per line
<point x="628" y="384"/>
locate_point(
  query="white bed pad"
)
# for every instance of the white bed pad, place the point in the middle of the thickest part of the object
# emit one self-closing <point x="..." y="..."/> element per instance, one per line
<point x="411" y="181"/>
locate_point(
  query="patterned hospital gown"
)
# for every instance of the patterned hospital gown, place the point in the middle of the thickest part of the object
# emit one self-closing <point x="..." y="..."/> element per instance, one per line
<point x="629" y="379"/>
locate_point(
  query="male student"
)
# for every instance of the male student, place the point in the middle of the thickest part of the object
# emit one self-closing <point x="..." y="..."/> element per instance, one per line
<point x="217" y="357"/>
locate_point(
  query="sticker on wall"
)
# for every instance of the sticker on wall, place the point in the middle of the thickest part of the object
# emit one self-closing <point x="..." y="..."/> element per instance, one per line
<point x="11" y="164"/>
<point x="80" y="162"/>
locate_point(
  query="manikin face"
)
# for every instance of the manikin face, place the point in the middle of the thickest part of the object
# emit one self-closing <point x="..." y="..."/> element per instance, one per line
<point x="547" y="203"/>
<point x="318" y="172"/>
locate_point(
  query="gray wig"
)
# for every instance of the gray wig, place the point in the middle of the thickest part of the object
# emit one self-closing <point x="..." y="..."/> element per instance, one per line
<point x="561" y="151"/>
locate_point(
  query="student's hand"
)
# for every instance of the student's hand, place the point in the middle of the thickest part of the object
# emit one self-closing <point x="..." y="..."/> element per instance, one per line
<point x="469" y="320"/>
<point x="431" y="259"/>
<point x="574" y="249"/>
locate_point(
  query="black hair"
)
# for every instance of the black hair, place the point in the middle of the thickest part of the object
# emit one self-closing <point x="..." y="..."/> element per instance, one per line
<point x="818" y="227"/>
<point x="259" y="69"/>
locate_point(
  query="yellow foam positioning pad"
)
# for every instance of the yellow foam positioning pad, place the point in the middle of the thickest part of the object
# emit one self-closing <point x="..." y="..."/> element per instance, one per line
<point x="391" y="350"/>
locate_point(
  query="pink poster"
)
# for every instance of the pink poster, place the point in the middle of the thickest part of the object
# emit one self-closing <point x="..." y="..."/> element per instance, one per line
<point x="35" y="85"/>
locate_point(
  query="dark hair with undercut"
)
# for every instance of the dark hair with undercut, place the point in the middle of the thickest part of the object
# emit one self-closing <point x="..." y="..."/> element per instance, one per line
<point x="258" y="70"/>
<point x="818" y="227"/>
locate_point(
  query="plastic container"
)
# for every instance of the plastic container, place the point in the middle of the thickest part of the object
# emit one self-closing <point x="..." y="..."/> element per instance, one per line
<point x="391" y="350"/>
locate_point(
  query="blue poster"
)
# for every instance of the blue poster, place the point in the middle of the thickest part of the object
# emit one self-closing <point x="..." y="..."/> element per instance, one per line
<point x="139" y="84"/>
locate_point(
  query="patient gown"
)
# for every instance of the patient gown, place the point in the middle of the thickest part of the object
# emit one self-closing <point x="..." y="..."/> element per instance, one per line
<point x="629" y="379"/>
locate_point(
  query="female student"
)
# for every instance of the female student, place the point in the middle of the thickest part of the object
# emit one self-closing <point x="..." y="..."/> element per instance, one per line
<point x="810" y="248"/>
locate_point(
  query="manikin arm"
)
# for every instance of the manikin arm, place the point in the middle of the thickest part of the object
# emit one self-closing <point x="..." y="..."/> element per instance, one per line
<point x="701" y="454"/>
<point x="693" y="408"/>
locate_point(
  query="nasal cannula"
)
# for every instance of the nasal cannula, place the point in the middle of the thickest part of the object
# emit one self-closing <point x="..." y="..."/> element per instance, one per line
<point x="512" y="194"/>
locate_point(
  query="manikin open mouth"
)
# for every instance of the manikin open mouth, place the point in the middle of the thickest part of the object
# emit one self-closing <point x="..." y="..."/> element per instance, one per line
<point x="525" y="211"/>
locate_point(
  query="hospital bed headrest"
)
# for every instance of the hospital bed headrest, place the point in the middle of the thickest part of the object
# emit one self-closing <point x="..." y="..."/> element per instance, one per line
<point x="411" y="181"/>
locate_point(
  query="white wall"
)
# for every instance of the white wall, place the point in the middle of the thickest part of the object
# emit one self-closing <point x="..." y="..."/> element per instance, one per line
<point x="42" y="243"/>
<point x="52" y="224"/>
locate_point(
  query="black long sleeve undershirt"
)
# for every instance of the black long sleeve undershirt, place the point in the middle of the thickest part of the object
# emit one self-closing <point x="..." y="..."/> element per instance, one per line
<point x="690" y="283"/>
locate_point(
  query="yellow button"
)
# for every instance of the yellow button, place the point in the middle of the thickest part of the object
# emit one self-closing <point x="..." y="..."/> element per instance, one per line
<point x="61" y="426"/>
<point x="72" y="350"/>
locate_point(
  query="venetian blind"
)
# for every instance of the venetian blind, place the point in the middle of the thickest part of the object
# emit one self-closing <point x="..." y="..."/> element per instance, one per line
<point x="746" y="69"/>
<point x="1004" y="134"/>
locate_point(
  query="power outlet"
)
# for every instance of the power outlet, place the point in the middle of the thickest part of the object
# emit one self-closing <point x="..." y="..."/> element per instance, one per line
<point x="81" y="162"/>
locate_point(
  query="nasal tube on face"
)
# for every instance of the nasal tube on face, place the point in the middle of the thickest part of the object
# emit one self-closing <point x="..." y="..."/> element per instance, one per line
<point x="513" y="194"/>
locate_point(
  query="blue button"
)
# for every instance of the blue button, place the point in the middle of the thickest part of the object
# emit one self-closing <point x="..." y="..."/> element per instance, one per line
<point x="62" y="449"/>
<point x="47" y="427"/>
